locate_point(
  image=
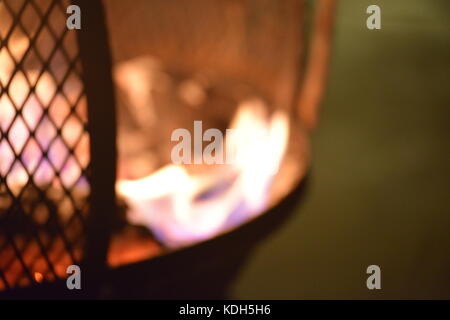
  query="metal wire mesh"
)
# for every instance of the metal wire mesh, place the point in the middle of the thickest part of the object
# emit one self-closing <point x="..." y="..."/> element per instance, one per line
<point x="44" y="144"/>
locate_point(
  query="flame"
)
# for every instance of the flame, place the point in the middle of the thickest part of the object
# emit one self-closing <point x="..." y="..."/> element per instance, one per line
<point x="171" y="201"/>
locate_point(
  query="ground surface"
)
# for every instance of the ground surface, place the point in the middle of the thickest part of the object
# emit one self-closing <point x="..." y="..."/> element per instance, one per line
<point x="380" y="189"/>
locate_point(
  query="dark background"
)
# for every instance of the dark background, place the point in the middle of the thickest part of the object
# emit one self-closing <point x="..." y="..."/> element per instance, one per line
<point x="380" y="181"/>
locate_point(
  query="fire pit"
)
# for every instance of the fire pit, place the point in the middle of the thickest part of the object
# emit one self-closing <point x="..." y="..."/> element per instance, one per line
<point x="156" y="146"/>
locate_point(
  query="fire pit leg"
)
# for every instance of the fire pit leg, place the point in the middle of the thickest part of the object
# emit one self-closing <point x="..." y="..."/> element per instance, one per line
<point x="96" y="62"/>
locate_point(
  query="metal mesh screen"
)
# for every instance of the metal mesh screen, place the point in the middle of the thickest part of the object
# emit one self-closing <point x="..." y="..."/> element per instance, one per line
<point x="44" y="144"/>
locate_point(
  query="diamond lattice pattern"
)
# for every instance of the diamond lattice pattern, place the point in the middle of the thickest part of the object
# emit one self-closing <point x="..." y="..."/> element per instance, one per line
<point x="44" y="144"/>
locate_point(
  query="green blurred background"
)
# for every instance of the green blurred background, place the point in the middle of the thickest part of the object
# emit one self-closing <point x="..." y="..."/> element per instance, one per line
<point x="380" y="182"/>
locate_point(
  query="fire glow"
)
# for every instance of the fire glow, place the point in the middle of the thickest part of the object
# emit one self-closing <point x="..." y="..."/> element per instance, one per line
<point x="179" y="206"/>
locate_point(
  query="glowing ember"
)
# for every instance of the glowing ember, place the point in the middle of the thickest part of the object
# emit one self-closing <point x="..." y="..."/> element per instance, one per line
<point x="38" y="277"/>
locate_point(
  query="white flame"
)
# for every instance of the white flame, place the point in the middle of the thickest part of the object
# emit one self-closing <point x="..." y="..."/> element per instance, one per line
<point x="169" y="201"/>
